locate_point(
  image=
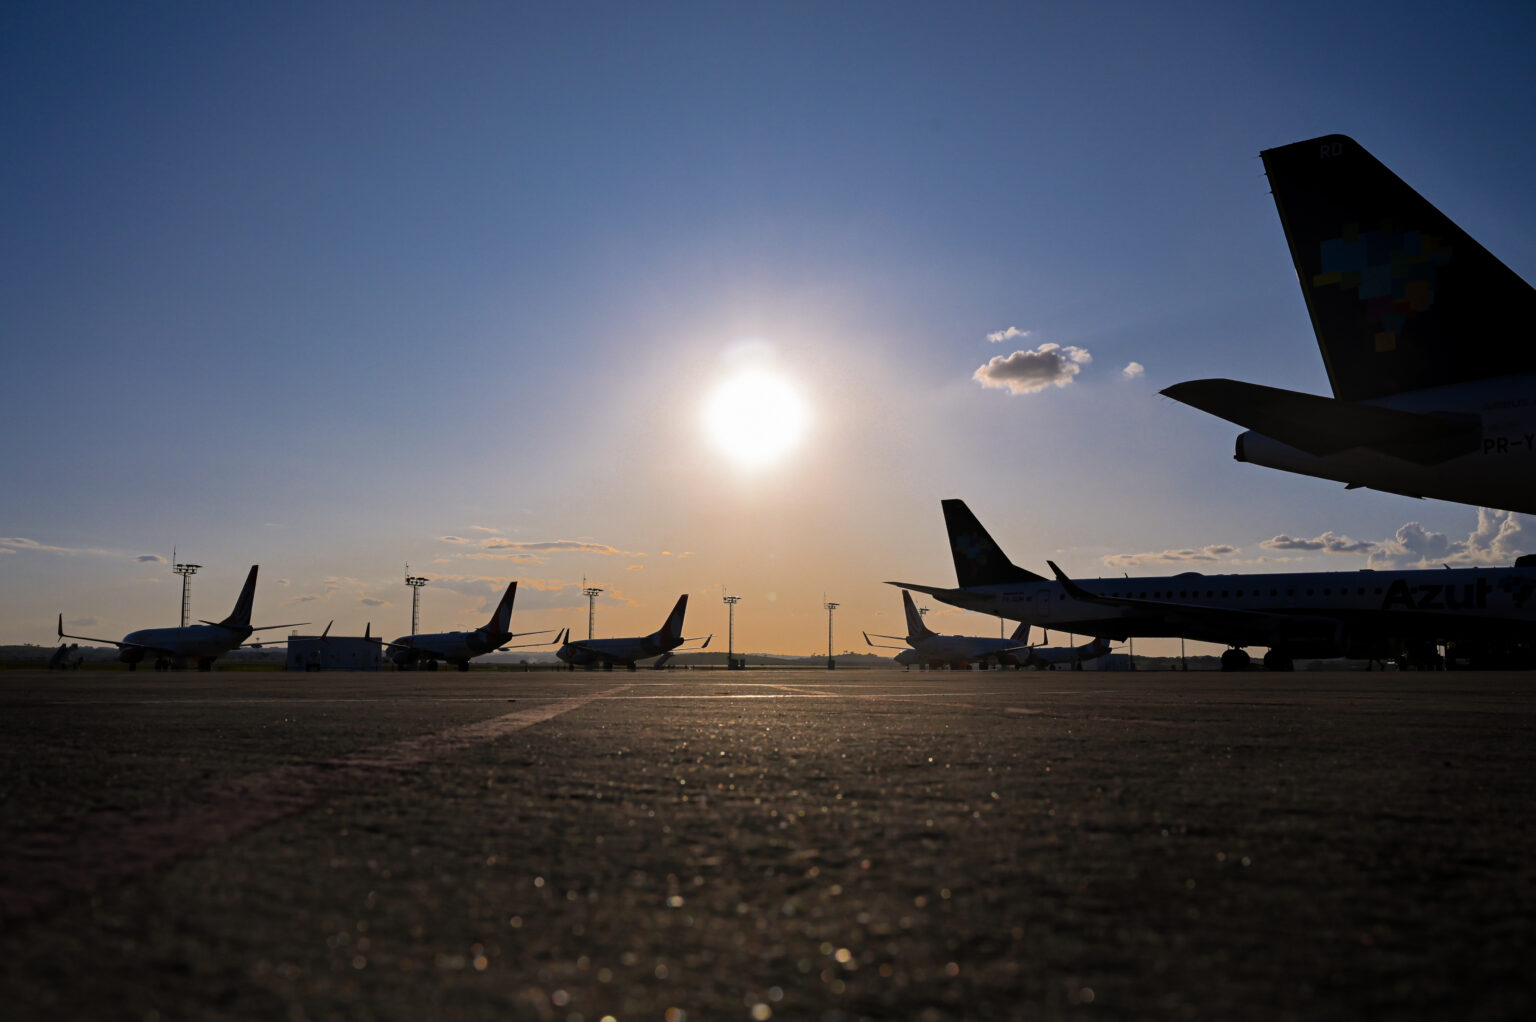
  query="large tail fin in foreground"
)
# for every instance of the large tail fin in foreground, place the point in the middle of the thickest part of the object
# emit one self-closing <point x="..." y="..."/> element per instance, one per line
<point x="979" y="561"/>
<point x="1398" y="294"/>
<point x="240" y="617"/>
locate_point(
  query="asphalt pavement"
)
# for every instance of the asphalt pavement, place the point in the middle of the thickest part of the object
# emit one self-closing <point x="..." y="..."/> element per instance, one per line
<point x="688" y="845"/>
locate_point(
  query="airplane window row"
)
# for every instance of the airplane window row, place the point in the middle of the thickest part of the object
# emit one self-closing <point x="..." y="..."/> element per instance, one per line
<point x="1185" y="594"/>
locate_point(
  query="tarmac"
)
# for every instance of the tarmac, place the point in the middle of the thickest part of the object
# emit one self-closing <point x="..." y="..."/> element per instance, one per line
<point x="683" y="846"/>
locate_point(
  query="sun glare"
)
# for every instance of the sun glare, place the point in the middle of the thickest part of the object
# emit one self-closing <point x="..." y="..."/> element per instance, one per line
<point x="755" y="418"/>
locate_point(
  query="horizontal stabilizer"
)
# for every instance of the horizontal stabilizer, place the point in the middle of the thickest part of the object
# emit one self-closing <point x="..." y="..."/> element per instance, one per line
<point x="1324" y="426"/>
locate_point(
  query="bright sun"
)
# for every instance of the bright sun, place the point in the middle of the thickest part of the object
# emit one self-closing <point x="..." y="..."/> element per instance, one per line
<point x="755" y="417"/>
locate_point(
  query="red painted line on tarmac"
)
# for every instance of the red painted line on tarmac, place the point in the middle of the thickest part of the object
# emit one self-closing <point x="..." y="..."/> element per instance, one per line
<point x="38" y="869"/>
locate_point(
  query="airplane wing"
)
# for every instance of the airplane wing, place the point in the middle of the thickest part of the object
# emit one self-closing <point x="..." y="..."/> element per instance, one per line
<point x="526" y="645"/>
<point x="1322" y="426"/>
<point x="87" y="638"/>
<point x="119" y="643"/>
<point x="263" y="643"/>
<point x="879" y="645"/>
<point x="939" y="591"/>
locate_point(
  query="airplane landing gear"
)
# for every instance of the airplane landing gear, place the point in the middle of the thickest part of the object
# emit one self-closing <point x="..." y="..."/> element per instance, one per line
<point x="463" y="665"/>
<point x="431" y="665"/>
<point x="1234" y="660"/>
<point x="1276" y="660"/>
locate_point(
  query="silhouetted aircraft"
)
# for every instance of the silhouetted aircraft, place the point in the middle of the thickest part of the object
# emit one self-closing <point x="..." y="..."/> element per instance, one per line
<point x="1424" y="334"/>
<point x="1485" y="613"/>
<point x="927" y="647"/>
<point x="609" y="652"/>
<point x="203" y="642"/>
<point x="458" y="648"/>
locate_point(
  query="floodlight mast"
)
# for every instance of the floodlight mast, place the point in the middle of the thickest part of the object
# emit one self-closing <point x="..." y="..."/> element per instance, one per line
<point x="186" y="571"/>
<point x="591" y="594"/>
<point x="415" y="582"/>
<point x="830" y="662"/>
<point x="730" y="631"/>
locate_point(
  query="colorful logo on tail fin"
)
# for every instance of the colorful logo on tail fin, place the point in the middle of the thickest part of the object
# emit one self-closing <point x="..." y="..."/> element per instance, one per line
<point x="1393" y="274"/>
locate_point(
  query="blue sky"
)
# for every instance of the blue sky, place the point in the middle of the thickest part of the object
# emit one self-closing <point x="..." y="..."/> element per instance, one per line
<point x="334" y="287"/>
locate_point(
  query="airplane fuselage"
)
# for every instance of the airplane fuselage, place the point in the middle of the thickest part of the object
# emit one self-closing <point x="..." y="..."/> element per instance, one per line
<point x="614" y="651"/>
<point x="194" y="642"/>
<point x="451" y="646"/>
<point x="960" y="648"/>
<point x="1309" y="614"/>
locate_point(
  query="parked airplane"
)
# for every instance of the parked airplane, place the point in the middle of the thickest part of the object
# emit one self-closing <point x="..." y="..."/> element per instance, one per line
<point x="1483" y="614"/>
<point x="1049" y="657"/>
<point x="204" y="642"/>
<point x="927" y="648"/>
<point x="458" y="648"/>
<point x="610" y="652"/>
<point x="1396" y="292"/>
<point x="924" y="646"/>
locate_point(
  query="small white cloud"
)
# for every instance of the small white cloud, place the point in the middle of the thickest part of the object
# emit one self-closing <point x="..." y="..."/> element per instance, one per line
<point x="1012" y="333"/>
<point x="151" y="559"/>
<point x="1025" y="372"/>
<point x="1133" y="370"/>
<point x="1204" y="555"/>
<point x="1328" y="543"/>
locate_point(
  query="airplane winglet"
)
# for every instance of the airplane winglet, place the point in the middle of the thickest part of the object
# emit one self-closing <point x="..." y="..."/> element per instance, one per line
<point x="1074" y="590"/>
<point x="325" y="635"/>
<point x="61" y="624"/>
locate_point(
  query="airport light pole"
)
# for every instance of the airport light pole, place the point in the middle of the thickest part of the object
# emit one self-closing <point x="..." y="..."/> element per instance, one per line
<point x="415" y="582"/>
<point x="730" y="631"/>
<point x="831" y="663"/>
<point x="591" y="594"/>
<point x="186" y="571"/>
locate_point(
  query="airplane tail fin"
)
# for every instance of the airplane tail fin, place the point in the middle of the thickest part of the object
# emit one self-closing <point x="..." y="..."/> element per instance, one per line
<point x="501" y="621"/>
<point x="916" y="630"/>
<point x="979" y="561"/>
<point x="240" y="617"/>
<point x="1392" y="284"/>
<point x="672" y="631"/>
<point x="1021" y="634"/>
